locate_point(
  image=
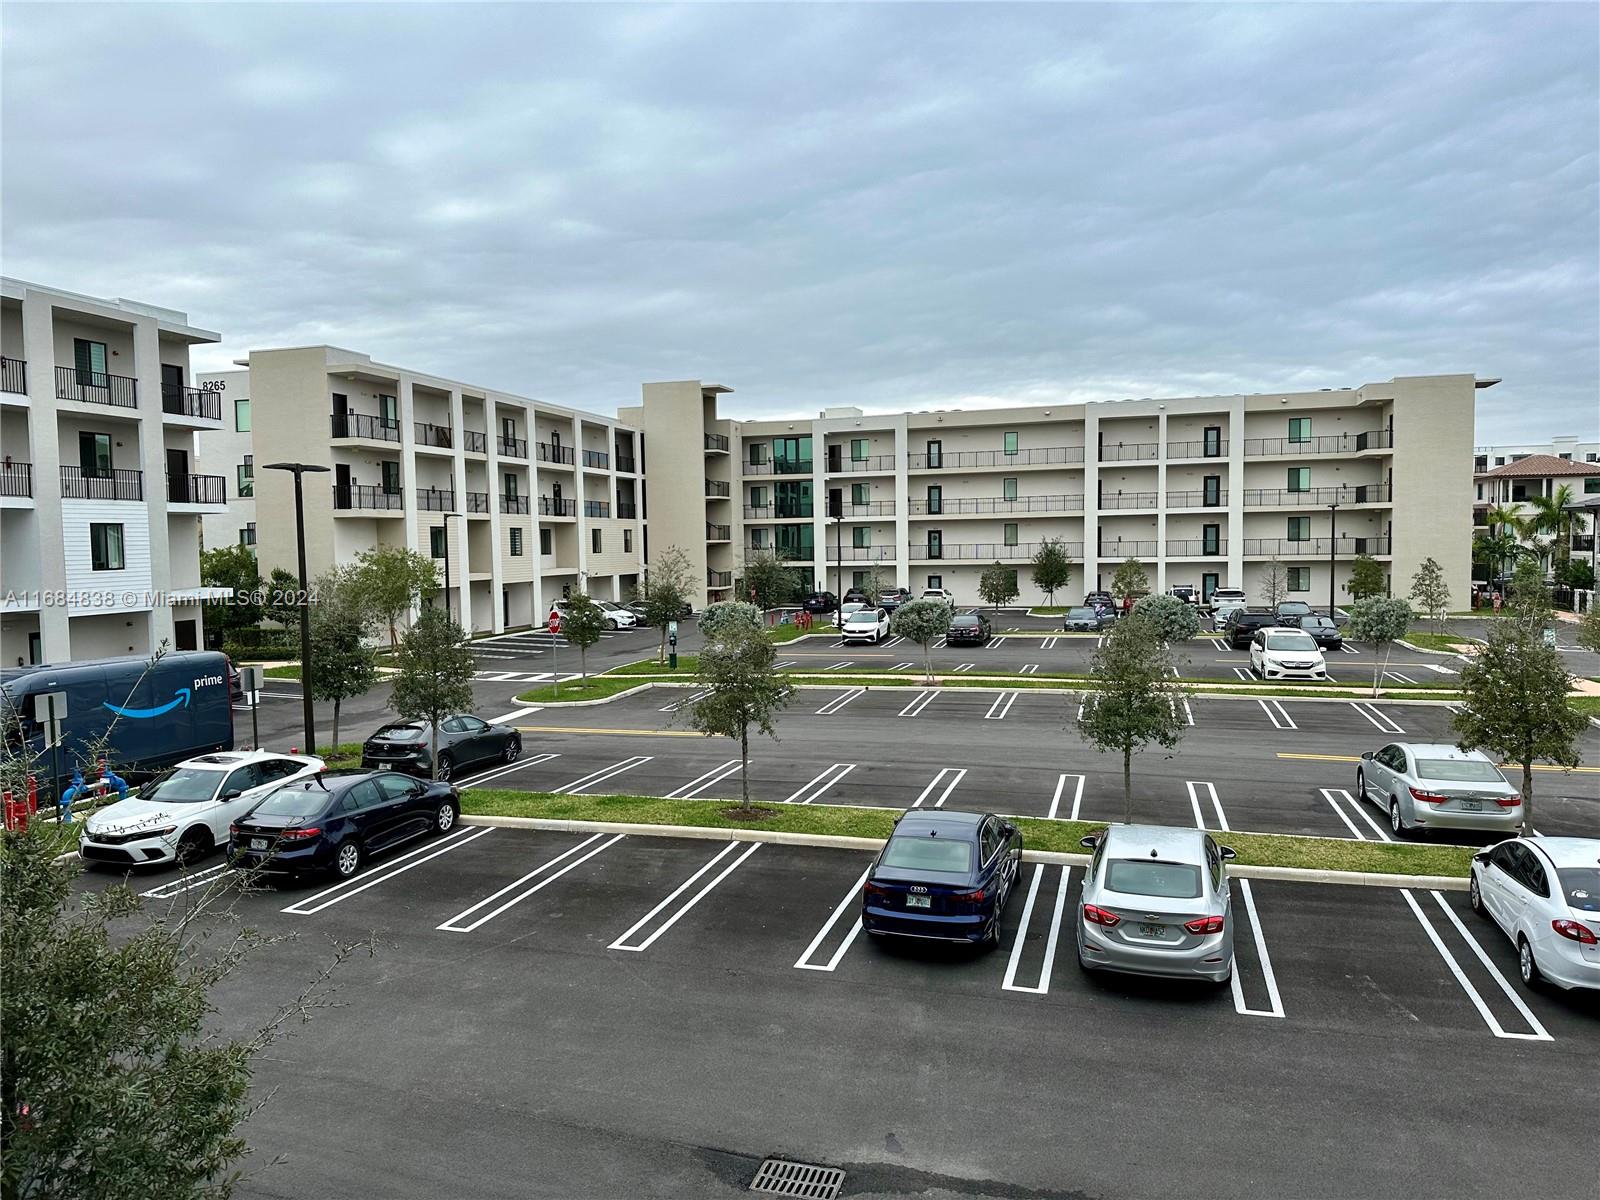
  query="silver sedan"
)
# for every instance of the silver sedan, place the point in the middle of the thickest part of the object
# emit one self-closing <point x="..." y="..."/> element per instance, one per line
<point x="1425" y="786"/>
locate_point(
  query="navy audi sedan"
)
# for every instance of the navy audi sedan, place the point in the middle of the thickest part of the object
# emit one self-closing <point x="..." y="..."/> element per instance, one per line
<point x="944" y="875"/>
<point x="332" y="821"/>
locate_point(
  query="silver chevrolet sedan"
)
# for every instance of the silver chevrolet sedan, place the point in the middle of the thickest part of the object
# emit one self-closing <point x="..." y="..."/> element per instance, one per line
<point x="1423" y="786"/>
<point x="1156" y="902"/>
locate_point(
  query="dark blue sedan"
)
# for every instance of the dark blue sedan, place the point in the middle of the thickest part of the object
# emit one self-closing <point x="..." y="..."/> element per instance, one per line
<point x="943" y="875"/>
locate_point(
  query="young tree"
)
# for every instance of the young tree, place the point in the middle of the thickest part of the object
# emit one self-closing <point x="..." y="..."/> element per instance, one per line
<point x="1174" y="620"/>
<point x="1130" y="579"/>
<point x="743" y="688"/>
<point x="665" y="592"/>
<point x="343" y="665"/>
<point x="1529" y="601"/>
<point x="1366" y="578"/>
<point x="1274" y="582"/>
<point x="393" y="579"/>
<point x="1383" y="622"/>
<point x="1589" y="628"/>
<point x="582" y="626"/>
<point x="1052" y="567"/>
<point x="1431" y="592"/>
<point x="1514" y="703"/>
<point x="1135" y="701"/>
<point x="872" y="585"/>
<point x="1494" y="550"/>
<point x="235" y="568"/>
<point x="281" y="600"/>
<point x="434" y="675"/>
<point x="998" y="585"/>
<point x="1576" y="573"/>
<point x="769" y="580"/>
<point x="923" y="622"/>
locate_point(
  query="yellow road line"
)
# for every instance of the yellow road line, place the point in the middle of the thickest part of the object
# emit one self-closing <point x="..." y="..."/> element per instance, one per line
<point x="1350" y="758"/>
<point x="620" y="732"/>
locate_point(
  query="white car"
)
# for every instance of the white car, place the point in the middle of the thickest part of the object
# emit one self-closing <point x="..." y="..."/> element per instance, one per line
<point x="1544" y="893"/>
<point x="184" y="814"/>
<point x="1228" y="595"/>
<point x="866" y="625"/>
<point x="618" y="617"/>
<point x="942" y="595"/>
<point x="1277" y="653"/>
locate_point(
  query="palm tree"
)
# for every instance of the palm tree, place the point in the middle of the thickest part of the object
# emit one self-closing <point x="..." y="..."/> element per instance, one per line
<point x="1551" y="515"/>
<point x="1500" y="545"/>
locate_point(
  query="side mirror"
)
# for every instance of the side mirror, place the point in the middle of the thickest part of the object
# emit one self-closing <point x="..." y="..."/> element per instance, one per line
<point x="1227" y="852"/>
<point x="1090" y="841"/>
<point x="232" y="794"/>
<point x="1367" y="754"/>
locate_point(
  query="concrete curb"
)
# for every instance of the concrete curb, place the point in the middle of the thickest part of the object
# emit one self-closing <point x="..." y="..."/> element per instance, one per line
<point x="586" y="703"/>
<point x="1429" y="650"/>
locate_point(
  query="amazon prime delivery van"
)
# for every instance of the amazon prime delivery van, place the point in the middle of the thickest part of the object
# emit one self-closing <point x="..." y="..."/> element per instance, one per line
<point x="154" y="715"/>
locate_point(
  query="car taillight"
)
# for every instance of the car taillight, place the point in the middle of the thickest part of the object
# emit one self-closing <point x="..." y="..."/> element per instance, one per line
<point x="1575" y="930"/>
<point x="300" y="835"/>
<point x="1426" y="797"/>
<point x="974" y="897"/>
<point x="1204" y="925"/>
<point x="233" y="831"/>
<point x="1096" y="915"/>
<point x="1508" y="801"/>
<point x="873" y="889"/>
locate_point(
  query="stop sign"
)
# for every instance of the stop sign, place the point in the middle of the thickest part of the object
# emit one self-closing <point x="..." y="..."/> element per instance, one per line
<point x="555" y="621"/>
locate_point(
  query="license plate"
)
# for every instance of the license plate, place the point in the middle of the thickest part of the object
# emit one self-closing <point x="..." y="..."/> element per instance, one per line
<point x="919" y="901"/>
<point x="385" y="766"/>
<point x="258" y="843"/>
<point x="1152" y="931"/>
<point x="1471" y="805"/>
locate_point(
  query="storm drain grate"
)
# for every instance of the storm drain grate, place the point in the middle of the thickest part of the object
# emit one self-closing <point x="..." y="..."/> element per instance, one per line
<point x="778" y="1177"/>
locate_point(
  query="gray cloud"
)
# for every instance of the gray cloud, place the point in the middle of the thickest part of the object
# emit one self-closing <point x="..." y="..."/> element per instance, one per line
<point x="889" y="205"/>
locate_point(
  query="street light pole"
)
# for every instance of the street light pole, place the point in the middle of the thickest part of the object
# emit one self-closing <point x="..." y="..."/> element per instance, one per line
<point x="308" y="717"/>
<point x="447" y="517"/>
<point x="838" y="565"/>
<point x="1333" y="544"/>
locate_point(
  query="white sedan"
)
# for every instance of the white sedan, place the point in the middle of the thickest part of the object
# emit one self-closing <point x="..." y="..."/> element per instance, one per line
<point x="1544" y="893"/>
<point x="185" y="813"/>
<point x="1277" y="653"/>
<point x="618" y="617"/>
<point x="866" y="625"/>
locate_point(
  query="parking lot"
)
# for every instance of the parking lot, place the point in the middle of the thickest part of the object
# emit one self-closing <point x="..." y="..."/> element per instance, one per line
<point x="599" y="1015"/>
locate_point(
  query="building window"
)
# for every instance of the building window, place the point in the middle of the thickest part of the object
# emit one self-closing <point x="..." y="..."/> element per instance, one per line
<point x="1212" y="447"/>
<point x="1480" y="464"/>
<point x="1591" y="487"/>
<point x="247" y="535"/>
<point x="391" y="477"/>
<point x="1299" y="479"/>
<point x="758" y="453"/>
<point x="1500" y="460"/>
<point x="545" y="547"/>
<point x="858" y="579"/>
<point x="1299" y="579"/>
<point x="1010" y="534"/>
<point x="859" y="492"/>
<point x="241" y="416"/>
<point x="1011" y="443"/>
<point x="1008" y="488"/>
<point x="627" y="541"/>
<point x="510" y="483"/>
<point x="935" y="499"/>
<point x="94" y="455"/>
<point x="758" y="538"/>
<point x="758" y="497"/>
<point x="247" y="476"/>
<point x="516" y="542"/>
<point x="388" y="411"/>
<point x="90" y="359"/>
<point x="1299" y="529"/>
<point x="858" y="449"/>
<point x="935" y="582"/>
<point x="1211" y="493"/>
<point x="1299" y="429"/>
<point x="105" y="547"/>
<point x="861" y="537"/>
<point x="436" y="541"/>
<point x="594" y="541"/>
<point x="1211" y="539"/>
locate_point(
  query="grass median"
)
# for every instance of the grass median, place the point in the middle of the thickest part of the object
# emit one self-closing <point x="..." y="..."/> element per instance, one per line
<point x="1254" y="849"/>
<point x="596" y="687"/>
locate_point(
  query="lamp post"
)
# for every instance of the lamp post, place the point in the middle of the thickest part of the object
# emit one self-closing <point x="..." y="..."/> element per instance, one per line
<point x="838" y="564"/>
<point x="447" y="517"/>
<point x="297" y="470"/>
<point x="1333" y="544"/>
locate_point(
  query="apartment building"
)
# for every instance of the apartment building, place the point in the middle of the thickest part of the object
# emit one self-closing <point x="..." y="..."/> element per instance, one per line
<point x="1519" y="482"/>
<point x="100" y="501"/>
<point x="1204" y="491"/>
<point x="1569" y="448"/>
<point x="526" y="501"/>
<point x="230" y="451"/>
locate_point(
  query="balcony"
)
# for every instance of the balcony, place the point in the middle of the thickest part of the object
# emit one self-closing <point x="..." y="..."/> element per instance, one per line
<point x="1127" y="549"/>
<point x="1127" y="500"/>
<point x="1197" y="499"/>
<point x="627" y="464"/>
<point x="16" y="479"/>
<point x="352" y="496"/>
<point x="719" y="579"/>
<point x="512" y="447"/>
<point x="76" y="484"/>
<point x="1332" y="443"/>
<point x="876" y="464"/>
<point x="194" y="403"/>
<point x="434" y="499"/>
<point x="869" y="508"/>
<point x="1583" y="542"/>
<point x="995" y="505"/>
<point x="627" y="510"/>
<point x="438" y="436"/>
<point x="514" y="504"/>
<point x="718" y="533"/>
<point x="778" y="512"/>
<point x="1314" y="547"/>
<point x="1130" y="452"/>
<point x="596" y="508"/>
<point x="360" y="425"/>
<point x="1196" y="548"/>
<point x="984" y="551"/>
<point x="716" y="443"/>
<point x="476" y="502"/>
<point x="779" y="466"/>
<point x="1043" y="457"/>
<point x="1365" y="493"/>
<point x="549" y="452"/>
<point x="598" y="459"/>
<point x="1200" y="449"/>
<point x="96" y="387"/>
<point x="717" y="489"/>
<point x="549" y="506"/>
<point x="474" y="442"/>
<point x="197" y="489"/>
<point x="14" y="375"/>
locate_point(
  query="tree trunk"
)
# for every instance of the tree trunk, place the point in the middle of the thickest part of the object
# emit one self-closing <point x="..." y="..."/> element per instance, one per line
<point x="1378" y="668"/>
<point x="661" y="650"/>
<point x="1127" y="784"/>
<point x="744" y="764"/>
<point x="927" y="658"/>
<point x="583" y="666"/>
<point x="433" y="748"/>
<point x="336" y="703"/>
<point x="1527" y="795"/>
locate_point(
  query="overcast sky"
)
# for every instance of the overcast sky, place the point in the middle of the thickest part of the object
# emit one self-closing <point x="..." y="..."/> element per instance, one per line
<point x="896" y="206"/>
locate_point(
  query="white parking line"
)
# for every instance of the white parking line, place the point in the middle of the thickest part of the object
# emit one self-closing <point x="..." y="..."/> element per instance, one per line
<point x="902" y="666"/>
<point x="1347" y="648"/>
<point x="966" y="666"/>
<point x="826" y="779"/>
<point x="1499" y="1031"/>
<point x="337" y="894"/>
<point x="482" y="777"/>
<point x="1359" y="808"/>
<point x="185" y="883"/>
<point x="622" y="942"/>
<point x="514" y="714"/>
<point x="1028" y="669"/>
<point x="1043" y="986"/>
<point x="1243" y="673"/>
<point x="838" y="702"/>
<point x="453" y="925"/>
<point x="1001" y="706"/>
<point x="1194" y="802"/>
<point x="940" y="644"/>
<point x="1188" y="713"/>
<point x="1273" y="997"/>
<point x="955" y="774"/>
<point x="605" y="773"/>
<point x="1505" y="985"/>
<point x="1277" y="714"/>
<point x="1402" y="677"/>
<point x="915" y="707"/>
<point x="894" y="641"/>
<point x="1049" y="643"/>
<point x="699" y="784"/>
<point x="839" y="666"/>
<point x="1375" y="716"/>
<point x="501" y="678"/>
<point x="852" y="897"/>
<point x="690" y="699"/>
<point x="991" y="643"/>
<point x="1077" y="797"/>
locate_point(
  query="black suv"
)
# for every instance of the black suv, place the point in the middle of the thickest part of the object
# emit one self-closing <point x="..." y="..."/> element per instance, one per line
<point x="1242" y="625"/>
<point x="820" y="602"/>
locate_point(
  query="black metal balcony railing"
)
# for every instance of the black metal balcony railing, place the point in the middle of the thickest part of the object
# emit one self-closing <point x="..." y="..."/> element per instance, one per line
<point x="716" y="487"/>
<point x="867" y="508"/>
<point x="197" y="489"/>
<point x="995" y="504"/>
<point x="360" y="425"/>
<point x="1197" y="499"/>
<point x="598" y="459"/>
<point x="718" y="533"/>
<point x="513" y="504"/>
<point x="1042" y="457"/>
<point x="1129" y="451"/>
<point x="716" y="441"/>
<point x="182" y="401"/>
<point x="551" y="453"/>
<point x="550" y="507"/>
<point x="1330" y="443"/>
<point x="1314" y="547"/>
<point x="596" y="508"/>
<point x="1195" y="547"/>
<point x="434" y="499"/>
<point x="512" y="447"/>
<point x="434" y="435"/>
<point x="78" y="484"/>
<point x="1126" y="549"/>
<point x="16" y="479"/>
<point x="627" y="510"/>
<point x="883" y="464"/>
<point x="719" y="579"/>
<point x="778" y="512"/>
<point x="474" y="442"/>
<point x="1583" y="542"/>
<point x="362" y="495"/>
<point x="985" y="551"/>
<point x="1363" y="493"/>
<point x="1127" y="500"/>
<point x="779" y="466"/>
<point x="1200" y="449"/>
<point x="476" y="502"/>
<point x="14" y="375"/>
<point x="626" y="463"/>
<point x="96" y="387"/>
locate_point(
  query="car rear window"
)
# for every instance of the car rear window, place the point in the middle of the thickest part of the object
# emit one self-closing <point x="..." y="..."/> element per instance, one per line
<point x="1290" y="641"/>
<point x="1581" y="886"/>
<point x="1151" y="877"/>
<point x="1459" y="770"/>
<point x="399" y="733"/>
<point x="185" y="785"/>
<point x="1081" y="614"/>
<point x="922" y="853"/>
<point x="294" y="800"/>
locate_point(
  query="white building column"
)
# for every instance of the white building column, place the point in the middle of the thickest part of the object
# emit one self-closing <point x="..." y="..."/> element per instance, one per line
<point x="456" y="538"/>
<point x="902" y="508"/>
<point x="1233" y="483"/>
<point x="153" y="462"/>
<point x="1161" y="501"/>
<point x="491" y="423"/>
<point x="1091" y="498"/>
<point x="44" y="438"/>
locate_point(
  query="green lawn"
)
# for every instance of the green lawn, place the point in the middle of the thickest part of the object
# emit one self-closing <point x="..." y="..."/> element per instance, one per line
<point x="826" y="819"/>
<point x="1589" y="706"/>
<point x="596" y="687"/>
<point x="1438" y="641"/>
<point x="289" y="672"/>
<point x="788" y="633"/>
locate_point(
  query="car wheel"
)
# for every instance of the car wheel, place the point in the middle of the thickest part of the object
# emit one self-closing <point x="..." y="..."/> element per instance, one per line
<point x="1361" y="785"/>
<point x="447" y="764"/>
<point x="1474" y="896"/>
<point x="1396" y="821"/>
<point x="513" y="750"/>
<point x="444" y="819"/>
<point x="1526" y="966"/>
<point x="347" y="861"/>
<point x="991" y="937"/>
<point x="192" y="846"/>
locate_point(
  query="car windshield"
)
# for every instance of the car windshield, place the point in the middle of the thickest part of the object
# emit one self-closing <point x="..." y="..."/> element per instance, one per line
<point x="185" y="785"/>
<point x="1459" y="770"/>
<point x="606" y="604"/>
<point x="1292" y="607"/>
<point x="1150" y="877"/>
<point x="862" y="616"/>
<point x="400" y="733"/>
<point x="1316" y="623"/>
<point x="1290" y="641"/>
<point x="1582" y="886"/>
<point x="917" y="852"/>
<point x="1081" y="614"/>
<point x="295" y="800"/>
